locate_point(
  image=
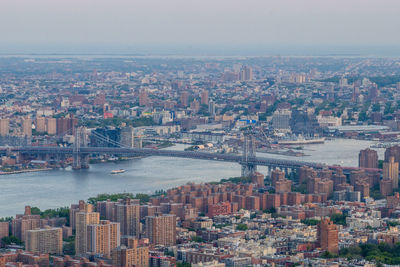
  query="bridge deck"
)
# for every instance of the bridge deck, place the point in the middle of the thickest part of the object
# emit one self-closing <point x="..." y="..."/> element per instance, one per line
<point x="262" y="161"/>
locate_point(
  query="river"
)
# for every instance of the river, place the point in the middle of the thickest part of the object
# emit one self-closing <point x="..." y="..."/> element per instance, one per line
<point x="57" y="188"/>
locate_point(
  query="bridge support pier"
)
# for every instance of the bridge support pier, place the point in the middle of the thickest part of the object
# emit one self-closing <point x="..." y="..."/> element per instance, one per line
<point x="80" y="161"/>
<point x="85" y="161"/>
<point x="293" y="174"/>
<point x="248" y="169"/>
<point x="286" y="170"/>
<point x="249" y="154"/>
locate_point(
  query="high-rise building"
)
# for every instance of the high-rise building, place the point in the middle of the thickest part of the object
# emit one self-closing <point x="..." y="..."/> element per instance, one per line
<point x="211" y="108"/>
<point x="328" y="236"/>
<point x="258" y="179"/>
<point x="51" y="126"/>
<point x="279" y="182"/>
<point x="75" y="208"/>
<point x="47" y="240"/>
<point x="386" y="187"/>
<point x="4" y="229"/>
<point x="184" y="98"/>
<point x="106" y="209"/>
<point x="363" y="188"/>
<point x="102" y="238"/>
<point x="4" y="127"/>
<point x="357" y="176"/>
<point x="339" y="179"/>
<point x="143" y="98"/>
<point x="40" y="125"/>
<point x="373" y="92"/>
<point x="128" y="136"/>
<point x="356" y="93"/>
<point x="195" y="105"/>
<point x="221" y="208"/>
<point x="138" y="143"/>
<point x="27" y="126"/>
<point x="368" y="158"/>
<point x="246" y="74"/>
<point x="100" y="99"/>
<point x="277" y="175"/>
<point x="133" y="255"/>
<point x="391" y="171"/>
<point x="204" y="97"/>
<point x="393" y="151"/>
<point x="281" y="119"/>
<point x="325" y="186"/>
<point x="283" y="186"/>
<point x="161" y="229"/>
<point x="23" y="223"/>
<point x="306" y="173"/>
<point x="66" y="125"/>
<point x="82" y="220"/>
<point x="128" y="215"/>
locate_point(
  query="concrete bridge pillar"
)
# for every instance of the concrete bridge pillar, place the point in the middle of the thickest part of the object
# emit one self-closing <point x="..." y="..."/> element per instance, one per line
<point x="248" y="169"/>
<point x="84" y="161"/>
<point x="293" y="174"/>
<point x="80" y="161"/>
<point x="42" y="156"/>
<point x="286" y="170"/>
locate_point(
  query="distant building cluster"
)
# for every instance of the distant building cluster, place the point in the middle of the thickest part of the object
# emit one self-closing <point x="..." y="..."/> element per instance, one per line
<point x="297" y="215"/>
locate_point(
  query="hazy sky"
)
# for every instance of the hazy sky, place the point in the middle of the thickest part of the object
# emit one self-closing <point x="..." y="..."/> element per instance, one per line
<point x="236" y="23"/>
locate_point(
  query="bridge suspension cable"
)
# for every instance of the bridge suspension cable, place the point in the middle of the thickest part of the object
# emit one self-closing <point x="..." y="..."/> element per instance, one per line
<point x="107" y="140"/>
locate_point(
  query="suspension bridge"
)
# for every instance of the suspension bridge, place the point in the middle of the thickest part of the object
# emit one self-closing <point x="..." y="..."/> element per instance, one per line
<point x="81" y="153"/>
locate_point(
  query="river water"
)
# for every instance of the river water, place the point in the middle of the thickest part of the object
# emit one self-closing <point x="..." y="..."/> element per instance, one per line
<point x="57" y="188"/>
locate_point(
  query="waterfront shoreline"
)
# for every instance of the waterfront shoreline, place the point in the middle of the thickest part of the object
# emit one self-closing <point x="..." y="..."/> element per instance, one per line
<point x="25" y="171"/>
<point x="62" y="187"/>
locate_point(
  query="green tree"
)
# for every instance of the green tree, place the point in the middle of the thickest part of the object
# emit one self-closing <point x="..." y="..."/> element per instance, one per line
<point x="329" y="255"/>
<point x="62" y="212"/>
<point x="197" y="239"/>
<point x="69" y="248"/>
<point x="362" y="116"/>
<point x="310" y="221"/>
<point x="35" y="211"/>
<point x="241" y="227"/>
<point x="376" y="107"/>
<point x="9" y="240"/>
<point x="237" y="180"/>
<point x="6" y="219"/>
<point x="114" y="197"/>
<point x="270" y="210"/>
<point x="339" y="219"/>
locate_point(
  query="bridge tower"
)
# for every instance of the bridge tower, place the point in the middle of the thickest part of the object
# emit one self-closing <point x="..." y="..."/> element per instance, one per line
<point x="248" y="156"/>
<point x="80" y="161"/>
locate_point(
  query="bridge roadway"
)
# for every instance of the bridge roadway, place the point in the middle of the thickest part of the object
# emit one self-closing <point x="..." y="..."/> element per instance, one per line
<point x="258" y="161"/>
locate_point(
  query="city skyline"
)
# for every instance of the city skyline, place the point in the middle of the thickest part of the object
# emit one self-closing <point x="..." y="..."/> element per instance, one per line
<point x="187" y="133"/>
